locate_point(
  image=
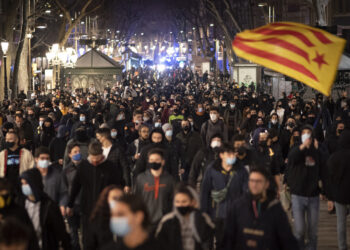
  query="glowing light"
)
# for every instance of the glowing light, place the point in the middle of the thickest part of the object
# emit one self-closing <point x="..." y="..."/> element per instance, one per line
<point x="162" y="59"/>
<point x="161" y="67"/>
<point x="170" y="51"/>
<point x="81" y="51"/>
<point x="182" y="64"/>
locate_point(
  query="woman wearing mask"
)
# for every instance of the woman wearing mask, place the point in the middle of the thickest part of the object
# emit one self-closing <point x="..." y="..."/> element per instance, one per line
<point x="98" y="233"/>
<point x="129" y="223"/>
<point x="186" y="228"/>
<point x="279" y="110"/>
<point x="48" y="133"/>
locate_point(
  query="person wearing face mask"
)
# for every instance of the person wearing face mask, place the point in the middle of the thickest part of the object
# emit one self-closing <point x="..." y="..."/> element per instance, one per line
<point x="67" y="178"/>
<point x="271" y="160"/>
<point x="257" y="220"/>
<point x="14" y="160"/>
<point x="83" y="140"/>
<point x="331" y="141"/>
<point x="337" y="187"/>
<point x="213" y="126"/>
<point x="129" y="223"/>
<point x="303" y="175"/>
<point x="232" y="117"/>
<point x="43" y="212"/>
<point x="115" y="154"/>
<point x="280" y="111"/>
<point x="10" y="209"/>
<point x="58" y="145"/>
<point x="191" y="143"/>
<point x="274" y="122"/>
<point x="93" y="175"/>
<point x="51" y="176"/>
<point x="157" y="140"/>
<point x="202" y="159"/>
<point x="7" y="126"/>
<point x="99" y="234"/>
<point x="155" y="186"/>
<point x="83" y="122"/>
<point x="185" y="228"/>
<point x="25" y="126"/>
<point x="200" y="116"/>
<point x="224" y="181"/>
<point x="285" y="136"/>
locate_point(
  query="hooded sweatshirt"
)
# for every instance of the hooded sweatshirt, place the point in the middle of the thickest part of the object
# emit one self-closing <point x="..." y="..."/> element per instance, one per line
<point x="338" y="184"/>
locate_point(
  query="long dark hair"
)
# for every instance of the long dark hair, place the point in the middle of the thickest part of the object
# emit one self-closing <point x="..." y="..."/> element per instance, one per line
<point x="101" y="209"/>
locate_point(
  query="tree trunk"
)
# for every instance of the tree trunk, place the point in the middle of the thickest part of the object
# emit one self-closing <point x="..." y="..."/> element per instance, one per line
<point x="15" y="79"/>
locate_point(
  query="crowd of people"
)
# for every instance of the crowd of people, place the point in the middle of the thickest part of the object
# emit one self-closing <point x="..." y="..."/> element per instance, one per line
<point x="171" y="161"/>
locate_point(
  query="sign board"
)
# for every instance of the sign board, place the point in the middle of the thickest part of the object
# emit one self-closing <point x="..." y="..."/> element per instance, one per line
<point x="342" y="80"/>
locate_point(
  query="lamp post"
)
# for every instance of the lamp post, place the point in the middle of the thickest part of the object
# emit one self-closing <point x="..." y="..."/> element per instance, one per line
<point x="4" y="47"/>
<point x="57" y="57"/>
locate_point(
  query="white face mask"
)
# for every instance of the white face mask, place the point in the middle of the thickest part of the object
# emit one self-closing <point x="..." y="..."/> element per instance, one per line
<point x="273" y="121"/>
<point x="213" y="117"/>
<point x="215" y="144"/>
<point x="304" y="137"/>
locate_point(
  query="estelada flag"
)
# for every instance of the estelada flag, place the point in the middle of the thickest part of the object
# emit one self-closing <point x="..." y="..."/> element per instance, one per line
<point x="307" y="54"/>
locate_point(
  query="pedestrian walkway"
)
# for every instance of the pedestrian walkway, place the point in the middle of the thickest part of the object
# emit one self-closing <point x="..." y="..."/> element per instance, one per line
<point x="327" y="230"/>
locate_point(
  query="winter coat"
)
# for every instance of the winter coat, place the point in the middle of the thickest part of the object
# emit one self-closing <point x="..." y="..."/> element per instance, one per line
<point x="209" y="129"/>
<point x="303" y="180"/>
<point x="117" y="157"/>
<point x="338" y="166"/>
<point x="91" y="180"/>
<point x="169" y="232"/>
<point x="53" y="230"/>
<point x="267" y="230"/>
<point x="98" y="234"/>
<point x="26" y="161"/>
<point x="216" y="178"/>
<point x="18" y="212"/>
<point x="190" y="145"/>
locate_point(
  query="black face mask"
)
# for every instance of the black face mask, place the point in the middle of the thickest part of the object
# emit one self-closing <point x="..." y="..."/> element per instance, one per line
<point x="263" y="143"/>
<point x="296" y="139"/>
<point x="186" y="128"/>
<point x="184" y="210"/>
<point x="340" y="131"/>
<point x="10" y="144"/>
<point x="154" y="165"/>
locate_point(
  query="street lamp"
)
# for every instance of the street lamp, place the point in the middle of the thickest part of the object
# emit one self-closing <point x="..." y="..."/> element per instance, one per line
<point x="4" y="48"/>
<point x="65" y="57"/>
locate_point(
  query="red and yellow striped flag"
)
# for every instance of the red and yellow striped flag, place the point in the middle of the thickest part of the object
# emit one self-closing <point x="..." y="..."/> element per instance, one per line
<point x="302" y="52"/>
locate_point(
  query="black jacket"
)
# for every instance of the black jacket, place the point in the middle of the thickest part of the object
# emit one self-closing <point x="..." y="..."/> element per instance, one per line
<point x="91" y="181"/>
<point x="190" y="145"/>
<point x="21" y="215"/>
<point x="53" y="230"/>
<point x="98" y="234"/>
<point x="169" y="231"/>
<point x="269" y="230"/>
<point x="117" y="157"/>
<point x="302" y="179"/>
<point x="338" y="184"/>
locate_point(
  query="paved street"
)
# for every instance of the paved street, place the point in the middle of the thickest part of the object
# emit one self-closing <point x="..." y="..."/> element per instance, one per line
<point x="327" y="232"/>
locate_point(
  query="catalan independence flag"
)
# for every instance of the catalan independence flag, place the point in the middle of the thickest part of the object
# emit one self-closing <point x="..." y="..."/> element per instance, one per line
<point x="302" y="52"/>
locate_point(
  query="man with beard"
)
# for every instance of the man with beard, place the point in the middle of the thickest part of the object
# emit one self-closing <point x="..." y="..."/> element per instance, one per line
<point x="257" y="220"/>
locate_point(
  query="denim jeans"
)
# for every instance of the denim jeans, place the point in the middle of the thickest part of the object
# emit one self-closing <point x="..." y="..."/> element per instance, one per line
<point x="341" y="211"/>
<point x="306" y="209"/>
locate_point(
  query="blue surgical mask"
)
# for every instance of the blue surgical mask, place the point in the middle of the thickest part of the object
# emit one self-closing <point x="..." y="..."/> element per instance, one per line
<point x="231" y="161"/>
<point x="27" y="190"/>
<point x="41" y="123"/>
<point x="114" y="134"/>
<point x="169" y="133"/>
<point x="157" y="125"/>
<point x="43" y="163"/>
<point x="76" y="157"/>
<point x="200" y="110"/>
<point x="119" y="226"/>
<point x="82" y="118"/>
